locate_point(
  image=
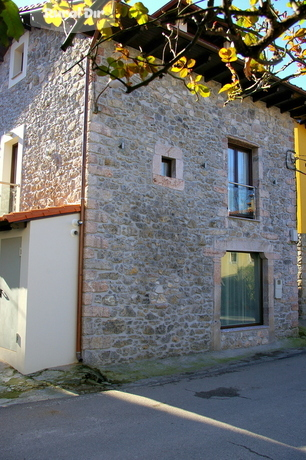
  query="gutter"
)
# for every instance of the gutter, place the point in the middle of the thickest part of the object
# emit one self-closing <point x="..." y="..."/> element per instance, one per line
<point x="82" y="211"/>
<point x="82" y="219"/>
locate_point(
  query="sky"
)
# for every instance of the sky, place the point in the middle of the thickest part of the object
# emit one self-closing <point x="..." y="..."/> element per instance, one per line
<point x="154" y="5"/>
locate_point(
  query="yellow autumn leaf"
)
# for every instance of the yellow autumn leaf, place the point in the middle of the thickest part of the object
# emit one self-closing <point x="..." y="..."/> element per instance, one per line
<point x="300" y="33"/>
<point x="196" y="88"/>
<point x="256" y="66"/>
<point x="227" y="87"/>
<point x="191" y="87"/>
<point x="228" y="54"/>
<point x="250" y="39"/>
<point x="106" y="23"/>
<point x="109" y="9"/>
<point x="184" y="73"/>
<point x="191" y="63"/>
<point x="104" y="28"/>
<point x="64" y="5"/>
<point x="139" y="12"/>
<point x="203" y="91"/>
<point x="121" y="10"/>
<point x="179" y="64"/>
<point x="89" y="21"/>
<point x="57" y="21"/>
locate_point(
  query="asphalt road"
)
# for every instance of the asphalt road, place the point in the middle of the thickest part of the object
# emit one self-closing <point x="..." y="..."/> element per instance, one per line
<point x="253" y="412"/>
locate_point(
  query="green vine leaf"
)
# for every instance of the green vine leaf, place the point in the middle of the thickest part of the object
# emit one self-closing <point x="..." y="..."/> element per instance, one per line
<point x="10" y="23"/>
<point x="139" y="12"/>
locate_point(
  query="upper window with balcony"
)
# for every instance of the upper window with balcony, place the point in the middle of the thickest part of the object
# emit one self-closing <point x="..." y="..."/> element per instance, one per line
<point x="10" y="170"/>
<point x="241" y="192"/>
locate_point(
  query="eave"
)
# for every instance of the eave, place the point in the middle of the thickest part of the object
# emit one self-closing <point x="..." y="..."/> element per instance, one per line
<point x="285" y="96"/>
<point x="7" y="221"/>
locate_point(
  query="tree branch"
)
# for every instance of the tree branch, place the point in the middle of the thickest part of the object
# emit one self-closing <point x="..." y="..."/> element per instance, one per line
<point x="167" y="66"/>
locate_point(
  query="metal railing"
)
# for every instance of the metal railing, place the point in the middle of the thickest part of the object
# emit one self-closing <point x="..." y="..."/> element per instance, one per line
<point x="241" y="200"/>
<point x="8" y="195"/>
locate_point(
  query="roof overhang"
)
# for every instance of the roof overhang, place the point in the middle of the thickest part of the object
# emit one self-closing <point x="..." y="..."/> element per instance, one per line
<point x="13" y="219"/>
<point x="285" y="96"/>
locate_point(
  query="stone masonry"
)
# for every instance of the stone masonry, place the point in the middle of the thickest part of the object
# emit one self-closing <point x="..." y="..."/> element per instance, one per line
<point x="153" y="249"/>
<point x="50" y="104"/>
<point x="153" y="246"/>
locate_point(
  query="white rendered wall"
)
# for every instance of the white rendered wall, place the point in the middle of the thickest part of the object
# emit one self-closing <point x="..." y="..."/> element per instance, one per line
<point x="16" y="358"/>
<point x="48" y="295"/>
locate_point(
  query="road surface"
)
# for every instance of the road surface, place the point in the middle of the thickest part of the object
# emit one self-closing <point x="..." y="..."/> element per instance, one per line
<point x="257" y="411"/>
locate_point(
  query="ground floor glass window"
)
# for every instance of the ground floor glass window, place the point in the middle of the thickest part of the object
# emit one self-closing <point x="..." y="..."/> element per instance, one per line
<point x="241" y="289"/>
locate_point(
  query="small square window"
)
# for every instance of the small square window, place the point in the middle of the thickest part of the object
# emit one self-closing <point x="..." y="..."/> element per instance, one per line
<point x="18" y="60"/>
<point x="167" y="167"/>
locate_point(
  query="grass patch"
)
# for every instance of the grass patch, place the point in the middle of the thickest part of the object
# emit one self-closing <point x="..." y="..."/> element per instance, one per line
<point x="10" y="394"/>
<point x="302" y="332"/>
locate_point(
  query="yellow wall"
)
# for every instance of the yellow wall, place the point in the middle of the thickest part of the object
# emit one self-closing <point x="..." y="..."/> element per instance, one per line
<point x="300" y="149"/>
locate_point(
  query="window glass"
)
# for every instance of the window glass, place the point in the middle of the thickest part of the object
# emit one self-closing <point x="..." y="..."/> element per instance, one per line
<point x="243" y="167"/>
<point x="239" y="166"/>
<point x="241" y="191"/>
<point x="18" y="60"/>
<point x="165" y="167"/>
<point x="241" y="289"/>
<point x="231" y="162"/>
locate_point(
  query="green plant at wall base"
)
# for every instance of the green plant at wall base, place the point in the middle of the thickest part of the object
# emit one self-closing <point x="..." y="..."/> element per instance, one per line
<point x="302" y="332"/>
<point x="10" y="23"/>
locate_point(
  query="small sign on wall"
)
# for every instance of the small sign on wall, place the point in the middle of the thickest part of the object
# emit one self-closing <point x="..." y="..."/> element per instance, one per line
<point x="278" y="288"/>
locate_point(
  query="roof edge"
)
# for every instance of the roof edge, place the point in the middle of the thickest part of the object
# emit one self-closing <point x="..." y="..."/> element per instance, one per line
<point x="25" y="216"/>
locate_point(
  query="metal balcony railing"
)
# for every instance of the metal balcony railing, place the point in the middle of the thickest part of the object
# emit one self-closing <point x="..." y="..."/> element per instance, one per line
<point x="8" y="194"/>
<point x="241" y="200"/>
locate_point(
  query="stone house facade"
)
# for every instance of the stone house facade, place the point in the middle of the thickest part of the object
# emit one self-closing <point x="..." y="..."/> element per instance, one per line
<point x="166" y="241"/>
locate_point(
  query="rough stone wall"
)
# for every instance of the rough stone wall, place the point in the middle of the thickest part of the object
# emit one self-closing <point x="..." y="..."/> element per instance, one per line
<point x="50" y="105"/>
<point x="244" y="337"/>
<point x="152" y="249"/>
<point x="150" y="270"/>
<point x="302" y="276"/>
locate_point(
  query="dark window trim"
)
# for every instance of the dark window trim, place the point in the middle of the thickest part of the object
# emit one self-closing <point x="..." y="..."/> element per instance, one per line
<point x="171" y="166"/>
<point x="235" y="183"/>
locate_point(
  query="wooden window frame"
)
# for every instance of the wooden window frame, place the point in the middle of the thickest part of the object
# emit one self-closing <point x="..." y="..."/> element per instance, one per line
<point x="251" y="214"/>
